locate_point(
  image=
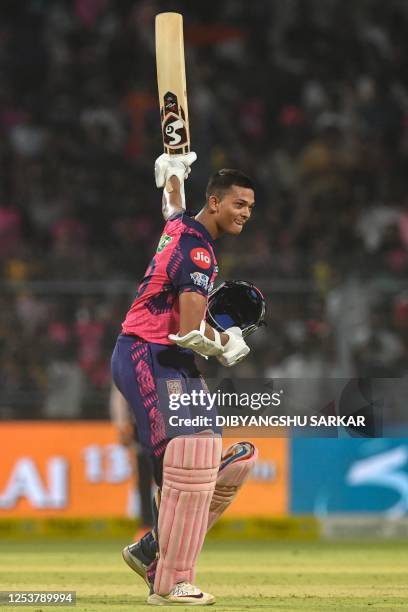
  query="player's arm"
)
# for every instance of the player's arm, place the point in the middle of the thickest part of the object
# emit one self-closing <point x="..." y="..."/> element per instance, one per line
<point x="192" y="311"/>
<point x="170" y="172"/>
<point x="173" y="201"/>
<point x="192" y="279"/>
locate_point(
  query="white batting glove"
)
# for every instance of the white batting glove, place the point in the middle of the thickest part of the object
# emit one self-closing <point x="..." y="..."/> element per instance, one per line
<point x="167" y="165"/>
<point x="236" y="348"/>
<point x="197" y="341"/>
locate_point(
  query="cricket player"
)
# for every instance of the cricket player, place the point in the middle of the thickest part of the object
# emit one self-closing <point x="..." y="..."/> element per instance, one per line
<point x="154" y="359"/>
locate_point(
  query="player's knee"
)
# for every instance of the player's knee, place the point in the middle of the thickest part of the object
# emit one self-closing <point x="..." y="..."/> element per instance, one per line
<point x="192" y="461"/>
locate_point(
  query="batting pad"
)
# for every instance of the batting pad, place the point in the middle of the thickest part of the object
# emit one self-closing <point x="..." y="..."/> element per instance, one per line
<point x="190" y="468"/>
<point x="236" y="465"/>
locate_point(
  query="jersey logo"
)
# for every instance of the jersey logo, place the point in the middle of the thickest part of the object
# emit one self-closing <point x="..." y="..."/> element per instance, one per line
<point x="199" y="279"/>
<point x="174" y="387"/>
<point x="163" y="242"/>
<point x="201" y="258"/>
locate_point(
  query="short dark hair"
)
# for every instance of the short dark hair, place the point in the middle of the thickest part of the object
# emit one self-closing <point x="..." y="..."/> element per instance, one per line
<point x="221" y="181"/>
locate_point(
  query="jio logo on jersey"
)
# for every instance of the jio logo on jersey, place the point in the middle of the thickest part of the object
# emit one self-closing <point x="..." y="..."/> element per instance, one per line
<point x="201" y="258"/>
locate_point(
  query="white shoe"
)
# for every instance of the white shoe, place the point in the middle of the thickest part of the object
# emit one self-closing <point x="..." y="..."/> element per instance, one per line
<point x="183" y="594"/>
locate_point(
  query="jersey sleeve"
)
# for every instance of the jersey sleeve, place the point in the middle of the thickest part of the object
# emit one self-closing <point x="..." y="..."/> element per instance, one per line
<point x="193" y="266"/>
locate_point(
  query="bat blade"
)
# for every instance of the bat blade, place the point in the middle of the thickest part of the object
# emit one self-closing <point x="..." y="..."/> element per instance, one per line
<point x="171" y="80"/>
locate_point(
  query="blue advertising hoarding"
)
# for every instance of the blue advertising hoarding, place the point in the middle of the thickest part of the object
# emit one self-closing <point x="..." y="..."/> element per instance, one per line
<point x="349" y="475"/>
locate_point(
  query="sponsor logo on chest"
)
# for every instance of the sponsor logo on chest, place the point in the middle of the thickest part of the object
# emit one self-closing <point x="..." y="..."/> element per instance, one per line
<point x="201" y="257"/>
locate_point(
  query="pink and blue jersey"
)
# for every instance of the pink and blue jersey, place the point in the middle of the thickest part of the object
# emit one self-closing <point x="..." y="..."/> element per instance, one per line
<point x="146" y="366"/>
<point x="184" y="261"/>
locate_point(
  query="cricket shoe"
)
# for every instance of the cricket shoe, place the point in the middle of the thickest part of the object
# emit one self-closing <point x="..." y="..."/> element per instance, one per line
<point x="135" y="558"/>
<point x="183" y="594"/>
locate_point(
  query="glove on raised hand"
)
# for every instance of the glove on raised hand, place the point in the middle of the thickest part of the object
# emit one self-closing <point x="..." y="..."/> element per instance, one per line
<point x="167" y="166"/>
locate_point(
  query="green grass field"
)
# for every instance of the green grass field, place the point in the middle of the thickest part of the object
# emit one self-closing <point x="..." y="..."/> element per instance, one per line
<point x="243" y="576"/>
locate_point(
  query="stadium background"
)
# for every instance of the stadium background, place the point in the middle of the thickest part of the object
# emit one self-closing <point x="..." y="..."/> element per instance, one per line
<point x="310" y="99"/>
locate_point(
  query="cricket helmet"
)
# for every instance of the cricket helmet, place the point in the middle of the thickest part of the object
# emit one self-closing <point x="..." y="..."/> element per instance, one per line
<point x="236" y="304"/>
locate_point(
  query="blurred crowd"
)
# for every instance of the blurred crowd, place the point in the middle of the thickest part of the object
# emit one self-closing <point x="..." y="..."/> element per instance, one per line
<point x="310" y="98"/>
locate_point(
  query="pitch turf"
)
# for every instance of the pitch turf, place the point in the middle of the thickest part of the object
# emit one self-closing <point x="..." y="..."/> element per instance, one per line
<point x="243" y="576"/>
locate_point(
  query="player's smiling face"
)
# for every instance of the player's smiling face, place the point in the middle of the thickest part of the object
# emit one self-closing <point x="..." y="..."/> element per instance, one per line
<point x="235" y="209"/>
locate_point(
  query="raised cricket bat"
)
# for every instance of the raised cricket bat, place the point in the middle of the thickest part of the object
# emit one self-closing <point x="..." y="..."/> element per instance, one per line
<point x="171" y="80"/>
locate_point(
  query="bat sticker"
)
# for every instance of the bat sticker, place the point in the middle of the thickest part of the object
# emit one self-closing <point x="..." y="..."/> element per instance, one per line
<point x="173" y="123"/>
<point x="173" y="131"/>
